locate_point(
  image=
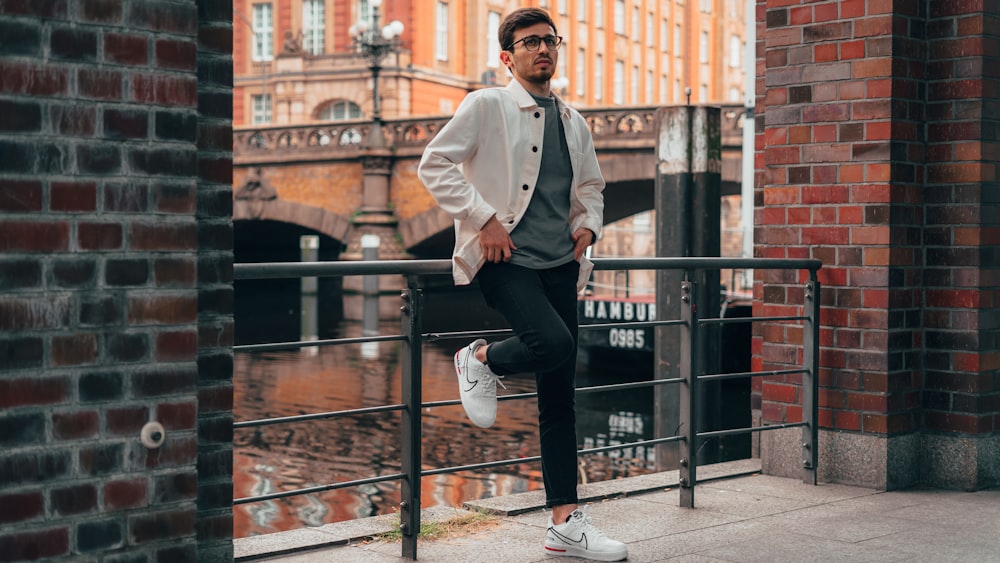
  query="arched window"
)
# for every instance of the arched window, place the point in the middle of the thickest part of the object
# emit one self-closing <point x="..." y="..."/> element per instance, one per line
<point x="340" y="110"/>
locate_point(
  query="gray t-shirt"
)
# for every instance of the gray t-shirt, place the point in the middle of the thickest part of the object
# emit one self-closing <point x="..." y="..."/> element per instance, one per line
<point x="542" y="237"/>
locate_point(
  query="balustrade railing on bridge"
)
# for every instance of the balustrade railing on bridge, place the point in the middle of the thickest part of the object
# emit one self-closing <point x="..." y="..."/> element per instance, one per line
<point x="692" y="362"/>
<point x="624" y="127"/>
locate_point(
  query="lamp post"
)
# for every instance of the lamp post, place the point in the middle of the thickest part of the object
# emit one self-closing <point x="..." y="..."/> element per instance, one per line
<point x="375" y="44"/>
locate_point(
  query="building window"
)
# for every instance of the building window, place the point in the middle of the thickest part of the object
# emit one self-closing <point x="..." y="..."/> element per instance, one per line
<point x="703" y="48"/>
<point x="340" y="110"/>
<point x="634" y="89"/>
<point x="562" y="7"/>
<point x="261" y="109"/>
<point x="703" y="93"/>
<point x="664" y="37"/>
<point x="735" y="51"/>
<point x="263" y="32"/>
<point x="706" y="6"/>
<point x="313" y="26"/>
<point x="619" y="93"/>
<point x="650" y="18"/>
<point x="734" y="94"/>
<point x="636" y="30"/>
<point x="581" y="67"/>
<point x="599" y="14"/>
<point x="365" y="12"/>
<point x="492" y="40"/>
<point x="620" y="17"/>
<point x="441" y="37"/>
<point x="663" y="88"/>
<point x="599" y="77"/>
<point x="678" y="41"/>
<point x="649" y="87"/>
<point x="581" y="10"/>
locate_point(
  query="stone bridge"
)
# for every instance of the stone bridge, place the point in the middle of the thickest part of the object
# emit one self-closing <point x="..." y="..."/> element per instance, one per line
<point x="314" y="176"/>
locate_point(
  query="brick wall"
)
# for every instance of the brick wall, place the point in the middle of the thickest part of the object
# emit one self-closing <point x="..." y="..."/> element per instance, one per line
<point x="876" y="154"/>
<point x="107" y="228"/>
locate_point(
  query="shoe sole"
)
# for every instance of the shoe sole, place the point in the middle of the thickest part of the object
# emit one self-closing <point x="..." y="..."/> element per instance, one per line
<point x="570" y="551"/>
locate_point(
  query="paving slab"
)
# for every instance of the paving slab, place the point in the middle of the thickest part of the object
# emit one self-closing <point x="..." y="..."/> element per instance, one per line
<point x="755" y="518"/>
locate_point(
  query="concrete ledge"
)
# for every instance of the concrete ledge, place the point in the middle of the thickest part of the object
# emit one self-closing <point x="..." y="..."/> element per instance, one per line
<point x="353" y="531"/>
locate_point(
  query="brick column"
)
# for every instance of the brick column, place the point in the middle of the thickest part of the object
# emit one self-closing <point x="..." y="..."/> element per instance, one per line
<point x="105" y="183"/>
<point x="215" y="280"/>
<point x="871" y="157"/>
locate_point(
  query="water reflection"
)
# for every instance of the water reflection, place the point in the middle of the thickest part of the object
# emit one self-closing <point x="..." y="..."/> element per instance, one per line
<point x="304" y="454"/>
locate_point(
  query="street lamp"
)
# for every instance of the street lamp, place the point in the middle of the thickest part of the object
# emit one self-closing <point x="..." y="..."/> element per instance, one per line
<point x="375" y="44"/>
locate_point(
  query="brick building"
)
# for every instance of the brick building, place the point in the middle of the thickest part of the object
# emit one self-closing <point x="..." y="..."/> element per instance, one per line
<point x="877" y="153"/>
<point x="293" y="62"/>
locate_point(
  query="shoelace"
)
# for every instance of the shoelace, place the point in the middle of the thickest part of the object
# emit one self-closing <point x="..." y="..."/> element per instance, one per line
<point x="588" y="526"/>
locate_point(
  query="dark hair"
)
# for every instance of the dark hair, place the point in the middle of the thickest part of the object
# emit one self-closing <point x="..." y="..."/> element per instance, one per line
<point x="519" y="19"/>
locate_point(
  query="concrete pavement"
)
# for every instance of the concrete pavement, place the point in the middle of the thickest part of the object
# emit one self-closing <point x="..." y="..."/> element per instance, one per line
<point x="746" y="518"/>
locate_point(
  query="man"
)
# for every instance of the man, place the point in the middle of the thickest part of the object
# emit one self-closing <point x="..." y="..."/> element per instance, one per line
<point x="516" y="169"/>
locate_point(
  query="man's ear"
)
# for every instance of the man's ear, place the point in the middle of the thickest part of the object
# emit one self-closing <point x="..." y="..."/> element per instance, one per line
<point x="505" y="58"/>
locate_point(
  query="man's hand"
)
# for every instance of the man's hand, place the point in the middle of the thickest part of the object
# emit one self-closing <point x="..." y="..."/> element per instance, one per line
<point x="582" y="238"/>
<point x="496" y="242"/>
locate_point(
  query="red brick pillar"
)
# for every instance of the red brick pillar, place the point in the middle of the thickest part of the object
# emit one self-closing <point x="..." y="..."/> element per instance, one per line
<point x="104" y="303"/>
<point x="875" y="156"/>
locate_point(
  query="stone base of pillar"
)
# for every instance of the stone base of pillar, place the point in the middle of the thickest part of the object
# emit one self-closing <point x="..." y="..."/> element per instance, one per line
<point x="887" y="463"/>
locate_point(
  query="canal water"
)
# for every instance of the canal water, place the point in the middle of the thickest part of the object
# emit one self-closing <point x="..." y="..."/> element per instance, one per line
<point x="331" y="378"/>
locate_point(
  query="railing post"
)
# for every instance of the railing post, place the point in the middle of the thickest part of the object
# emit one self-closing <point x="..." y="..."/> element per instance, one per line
<point x="409" y="507"/>
<point x="810" y="381"/>
<point x="688" y="411"/>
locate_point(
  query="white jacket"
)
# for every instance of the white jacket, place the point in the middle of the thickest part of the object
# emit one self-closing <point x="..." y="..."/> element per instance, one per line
<point x="486" y="160"/>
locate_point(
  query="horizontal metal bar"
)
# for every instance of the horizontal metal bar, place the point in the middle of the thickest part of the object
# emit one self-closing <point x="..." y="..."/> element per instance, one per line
<point x="315" y="416"/>
<point x="722" y="376"/>
<point x="319" y="488"/>
<point x="273" y="270"/>
<point x="652" y="442"/>
<point x="735" y="431"/>
<point x="638" y="324"/>
<point x="308" y="343"/>
<point x="435" y="336"/>
<point x="583" y="390"/>
<point x="748" y="320"/>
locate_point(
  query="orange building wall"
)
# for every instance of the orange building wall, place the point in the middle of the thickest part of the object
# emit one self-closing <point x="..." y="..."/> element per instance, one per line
<point x="427" y="97"/>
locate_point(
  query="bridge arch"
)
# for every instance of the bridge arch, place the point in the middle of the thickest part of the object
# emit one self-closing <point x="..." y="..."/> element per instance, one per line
<point x="317" y="219"/>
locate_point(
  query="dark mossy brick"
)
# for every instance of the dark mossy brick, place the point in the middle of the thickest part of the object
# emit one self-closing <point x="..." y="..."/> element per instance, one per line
<point x="74" y="273"/>
<point x="177" y="487"/>
<point x="99" y="536"/>
<point x="176" y="126"/>
<point x="20" y="117"/>
<point x="102" y="386"/>
<point x="20" y="429"/>
<point x="16" y="156"/>
<point x="217" y="105"/>
<point x="101" y="310"/>
<point x="127" y="558"/>
<point x="216" y="367"/>
<point x="127" y="347"/>
<point x="34" y="467"/>
<point x="21" y="352"/>
<point x="168" y="162"/>
<point x="52" y="159"/>
<point x="19" y="274"/>
<point x="215" y="236"/>
<point x="179" y="553"/>
<point x="73" y="43"/>
<point x="218" y="301"/>
<point x="164" y="381"/>
<point x="126" y="271"/>
<point x="215" y="495"/>
<point x="800" y="94"/>
<point x="20" y="37"/>
<point x="103" y="159"/>
<point x="102" y="460"/>
<point x="217" y="429"/>
<point x="216" y="465"/>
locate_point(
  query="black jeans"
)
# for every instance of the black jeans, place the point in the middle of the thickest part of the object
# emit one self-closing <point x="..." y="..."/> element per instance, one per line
<point x="540" y="306"/>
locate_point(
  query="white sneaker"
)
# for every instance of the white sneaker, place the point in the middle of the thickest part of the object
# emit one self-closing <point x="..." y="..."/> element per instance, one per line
<point x="477" y="385"/>
<point x="579" y="538"/>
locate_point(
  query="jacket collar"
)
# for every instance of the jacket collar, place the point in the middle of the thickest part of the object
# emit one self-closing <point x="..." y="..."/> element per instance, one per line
<point x="525" y="100"/>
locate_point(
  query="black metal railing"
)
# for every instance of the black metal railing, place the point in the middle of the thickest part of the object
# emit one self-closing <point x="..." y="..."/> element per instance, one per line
<point x="691" y="369"/>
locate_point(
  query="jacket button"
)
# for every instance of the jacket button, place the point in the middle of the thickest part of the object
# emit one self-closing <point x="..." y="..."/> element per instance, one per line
<point x="537" y="114"/>
<point x="534" y="149"/>
<point x="511" y="222"/>
<point x="524" y="187"/>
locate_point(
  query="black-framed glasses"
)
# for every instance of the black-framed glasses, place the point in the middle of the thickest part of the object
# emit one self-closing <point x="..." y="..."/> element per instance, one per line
<point x="533" y="42"/>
